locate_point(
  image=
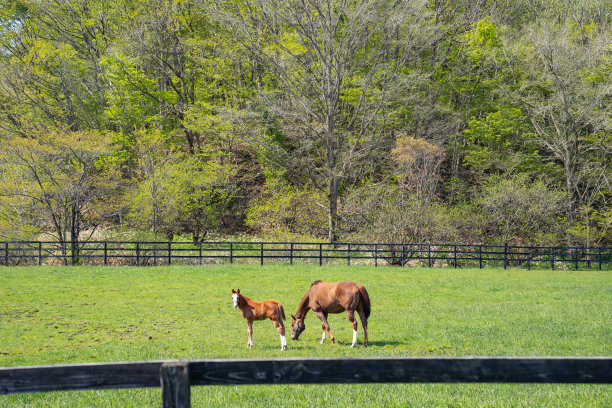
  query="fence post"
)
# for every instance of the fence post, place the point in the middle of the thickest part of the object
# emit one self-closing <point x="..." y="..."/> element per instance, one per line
<point x="137" y="253"/>
<point x="455" y="256"/>
<point x="429" y="256"/>
<point x="552" y="258"/>
<point x="320" y="254"/>
<point x="231" y="252"/>
<point x="528" y="258"/>
<point x="576" y="258"/>
<point x="105" y="253"/>
<point x="403" y="254"/>
<point x="291" y="254"/>
<point x="175" y="385"/>
<point x="200" y="249"/>
<point x="505" y="255"/>
<point x="480" y="256"/>
<point x="39" y="253"/>
<point x="261" y="254"/>
<point x="169" y="252"/>
<point x="588" y="257"/>
<point x="348" y="258"/>
<point x="375" y="254"/>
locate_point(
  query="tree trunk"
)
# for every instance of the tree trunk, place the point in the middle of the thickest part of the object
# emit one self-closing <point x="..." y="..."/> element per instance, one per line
<point x="333" y="208"/>
<point x="331" y="160"/>
<point x="569" y="181"/>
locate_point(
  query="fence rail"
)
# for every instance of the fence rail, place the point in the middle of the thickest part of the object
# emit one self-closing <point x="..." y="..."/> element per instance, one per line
<point x="144" y="253"/>
<point x="176" y="377"/>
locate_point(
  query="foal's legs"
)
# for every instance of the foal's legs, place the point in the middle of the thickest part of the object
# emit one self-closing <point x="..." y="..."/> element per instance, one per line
<point x="364" y="323"/>
<point x="351" y="317"/>
<point x="281" y="331"/>
<point x="323" y="317"/>
<point x="250" y="333"/>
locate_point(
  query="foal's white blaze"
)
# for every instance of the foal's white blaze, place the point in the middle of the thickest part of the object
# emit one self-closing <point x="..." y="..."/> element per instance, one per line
<point x="235" y="297"/>
<point x="323" y="337"/>
<point x="354" y="338"/>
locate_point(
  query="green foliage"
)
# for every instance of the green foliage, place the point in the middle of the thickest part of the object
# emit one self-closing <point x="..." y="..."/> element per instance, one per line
<point x="484" y="37"/>
<point x="387" y="213"/>
<point x="592" y="228"/>
<point x="520" y="211"/>
<point x="55" y="184"/>
<point x="502" y="142"/>
<point x="133" y="100"/>
<point x="235" y="117"/>
<point x="176" y="194"/>
<point x="288" y="213"/>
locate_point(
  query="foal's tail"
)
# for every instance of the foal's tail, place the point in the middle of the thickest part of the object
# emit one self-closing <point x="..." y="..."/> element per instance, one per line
<point x="282" y="312"/>
<point x="365" y="298"/>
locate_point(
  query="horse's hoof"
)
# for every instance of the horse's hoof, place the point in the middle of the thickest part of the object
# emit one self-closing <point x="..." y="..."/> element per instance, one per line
<point x="283" y="348"/>
<point x="353" y="345"/>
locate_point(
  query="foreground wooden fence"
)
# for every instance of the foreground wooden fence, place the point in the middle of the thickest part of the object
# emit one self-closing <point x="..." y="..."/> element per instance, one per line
<point x="177" y="377"/>
<point x="143" y="253"/>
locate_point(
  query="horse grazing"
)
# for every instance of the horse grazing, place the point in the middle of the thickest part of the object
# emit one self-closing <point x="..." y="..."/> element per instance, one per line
<point x="324" y="298"/>
<point x="252" y="310"/>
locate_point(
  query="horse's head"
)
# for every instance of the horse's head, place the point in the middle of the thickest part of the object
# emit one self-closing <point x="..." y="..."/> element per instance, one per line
<point x="297" y="327"/>
<point x="235" y="295"/>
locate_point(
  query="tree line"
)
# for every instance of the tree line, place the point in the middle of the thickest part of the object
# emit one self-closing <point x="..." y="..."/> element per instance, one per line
<point x="483" y="121"/>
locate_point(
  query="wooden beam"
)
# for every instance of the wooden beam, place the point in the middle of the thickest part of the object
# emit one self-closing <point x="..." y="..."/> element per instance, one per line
<point x="79" y="377"/>
<point x="597" y="370"/>
<point x="407" y="369"/>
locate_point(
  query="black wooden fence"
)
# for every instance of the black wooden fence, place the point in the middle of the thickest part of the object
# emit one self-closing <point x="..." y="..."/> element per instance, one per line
<point x="166" y="253"/>
<point x="176" y="377"/>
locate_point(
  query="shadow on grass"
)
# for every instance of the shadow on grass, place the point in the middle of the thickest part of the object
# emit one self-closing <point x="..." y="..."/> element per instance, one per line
<point x="315" y="345"/>
<point x="385" y="343"/>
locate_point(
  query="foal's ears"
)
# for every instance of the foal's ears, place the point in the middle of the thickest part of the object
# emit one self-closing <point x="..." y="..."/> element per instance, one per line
<point x="293" y="317"/>
<point x="236" y="291"/>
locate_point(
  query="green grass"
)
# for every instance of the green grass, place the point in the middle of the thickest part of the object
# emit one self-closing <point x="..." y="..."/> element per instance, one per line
<point x="59" y="315"/>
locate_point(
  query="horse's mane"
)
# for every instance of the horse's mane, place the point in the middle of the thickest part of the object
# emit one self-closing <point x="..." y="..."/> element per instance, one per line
<point x="243" y="300"/>
<point x="315" y="282"/>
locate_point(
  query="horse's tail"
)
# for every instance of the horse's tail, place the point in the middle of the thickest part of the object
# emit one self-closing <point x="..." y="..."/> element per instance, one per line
<point x="282" y="312"/>
<point x="365" y="298"/>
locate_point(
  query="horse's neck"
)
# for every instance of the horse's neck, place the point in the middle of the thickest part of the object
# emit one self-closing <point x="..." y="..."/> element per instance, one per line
<point x="244" y="301"/>
<point x="303" y="308"/>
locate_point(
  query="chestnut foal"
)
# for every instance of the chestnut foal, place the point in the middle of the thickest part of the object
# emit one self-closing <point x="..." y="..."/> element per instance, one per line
<point x="252" y="310"/>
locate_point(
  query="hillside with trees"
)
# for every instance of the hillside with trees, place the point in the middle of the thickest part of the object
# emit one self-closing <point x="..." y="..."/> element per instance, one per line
<point x="467" y="121"/>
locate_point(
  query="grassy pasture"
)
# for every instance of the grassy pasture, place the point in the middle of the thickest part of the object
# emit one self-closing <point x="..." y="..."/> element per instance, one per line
<point x="62" y="315"/>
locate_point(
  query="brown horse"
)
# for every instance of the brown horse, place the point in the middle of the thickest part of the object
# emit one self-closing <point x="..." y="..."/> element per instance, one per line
<point x="268" y="309"/>
<point x="324" y="298"/>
